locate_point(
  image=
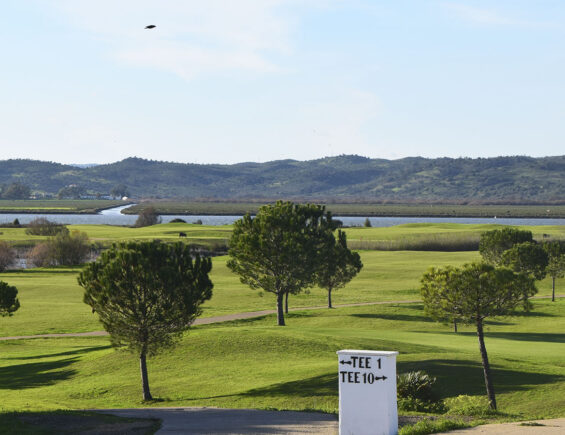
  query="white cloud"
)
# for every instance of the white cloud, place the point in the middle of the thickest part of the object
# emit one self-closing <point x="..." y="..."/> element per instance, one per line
<point x="191" y="37"/>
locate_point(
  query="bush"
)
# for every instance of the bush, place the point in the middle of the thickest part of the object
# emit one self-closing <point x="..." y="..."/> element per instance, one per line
<point x="367" y="223"/>
<point x="178" y="221"/>
<point x="64" y="250"/>
<point x="198" y="222"/>
<point x="44" y="227"/>
<point x="147" y="217"/>
<point x="416" y="386"/>
<point x="40" y="255"/>
<point x="477" y="406"/>
<point x="7" y="256"/>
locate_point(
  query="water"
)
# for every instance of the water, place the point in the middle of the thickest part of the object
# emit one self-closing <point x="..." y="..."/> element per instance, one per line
<point x="113" y="216"/>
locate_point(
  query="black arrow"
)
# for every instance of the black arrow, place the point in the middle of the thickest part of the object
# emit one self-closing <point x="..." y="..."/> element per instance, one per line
<point x="345" y="362"/>
<point x="380" y="377"/>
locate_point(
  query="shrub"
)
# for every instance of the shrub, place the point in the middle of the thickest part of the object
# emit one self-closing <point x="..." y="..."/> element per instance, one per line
<point x="198" y="222"/>
<point x="178" y="221"/>
<point x="7" y="256"/>
<point x="477" y="406"/>
<point x="416" y="386"/>
<point x="64" y="250"/>
<point x="44" y="227"/>
<point x="39" y="256"/>
<point x="147" y="217"/>
<point x="367" y="223"/>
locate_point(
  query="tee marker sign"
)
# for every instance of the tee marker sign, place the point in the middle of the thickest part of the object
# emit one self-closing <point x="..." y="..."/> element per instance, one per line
<point x="367" y="392"/>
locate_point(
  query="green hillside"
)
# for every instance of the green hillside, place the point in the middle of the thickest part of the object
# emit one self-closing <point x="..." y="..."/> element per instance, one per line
<point x="502" y="179"/>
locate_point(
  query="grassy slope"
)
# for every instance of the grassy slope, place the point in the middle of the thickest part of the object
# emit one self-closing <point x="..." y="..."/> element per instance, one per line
<point x="256" y="364"/>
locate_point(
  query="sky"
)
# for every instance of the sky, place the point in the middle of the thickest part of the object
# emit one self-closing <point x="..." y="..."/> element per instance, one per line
<point x="225" y="81"/>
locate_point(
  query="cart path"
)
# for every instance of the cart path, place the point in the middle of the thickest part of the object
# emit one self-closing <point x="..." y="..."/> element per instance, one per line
<point x="230" y="317"/>
<point x="218" y="421"/>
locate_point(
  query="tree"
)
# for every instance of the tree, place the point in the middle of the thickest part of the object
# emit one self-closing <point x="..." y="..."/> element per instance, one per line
<point x="146" y="294"/>
<point x="7" y="256"/>
<point x="493" y="243"/>
<point x="556" y="263"/>
<point x="527" y="257"/>
<point x="340" y="266"/>
<point x="147" y="217"/>
<point x="44" y="227"/>
<point x="367" y="223"/>
<point x="119" y="191"/>
<point x="279" y="249"/>
<point x="8" y="299"/>
<point x="16" y="191"/>
<point x="72" y="191"/>
<point x="472" y="293"/>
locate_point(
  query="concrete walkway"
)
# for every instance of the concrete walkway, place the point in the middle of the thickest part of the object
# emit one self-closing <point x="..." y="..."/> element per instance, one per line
<point x="212" y="421"/>
<point x="537" y="427"/>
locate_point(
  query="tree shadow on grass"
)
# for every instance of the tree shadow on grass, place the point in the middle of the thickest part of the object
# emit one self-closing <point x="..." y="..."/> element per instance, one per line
<point x="401" y="317"/>
<point x="39" y="374"/>
<point x="466" y="377"/>
<point x="317" y="386"/>
<point x="543" y="337"/>
<point x="70" y="352"/>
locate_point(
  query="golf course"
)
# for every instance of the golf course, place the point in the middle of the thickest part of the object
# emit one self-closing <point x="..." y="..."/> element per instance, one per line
<point x="253" y="363"/>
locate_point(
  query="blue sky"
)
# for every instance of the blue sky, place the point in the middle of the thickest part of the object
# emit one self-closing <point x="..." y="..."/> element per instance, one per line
<point x="224" y="81"/>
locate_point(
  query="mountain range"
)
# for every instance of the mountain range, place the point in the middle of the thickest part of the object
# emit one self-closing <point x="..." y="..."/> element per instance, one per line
<point x="346" y="177"/>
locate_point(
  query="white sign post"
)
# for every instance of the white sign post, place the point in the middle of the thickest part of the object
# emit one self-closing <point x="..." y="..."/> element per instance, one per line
<point x="367" y="392"/>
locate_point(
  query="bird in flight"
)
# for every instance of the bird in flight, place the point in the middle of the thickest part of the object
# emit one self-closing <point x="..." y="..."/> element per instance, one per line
<point x="150" y="26"/>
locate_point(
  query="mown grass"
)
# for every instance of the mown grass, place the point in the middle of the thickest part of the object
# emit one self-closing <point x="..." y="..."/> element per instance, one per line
<point x="56" y="205"/>
<point x="51" y="299"/>
<point x="255" y="364"/>
<point x="354" y="209"/>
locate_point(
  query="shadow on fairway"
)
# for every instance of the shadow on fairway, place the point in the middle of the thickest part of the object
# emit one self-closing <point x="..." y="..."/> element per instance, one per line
<point x="456" y="377"/>
<point x="401" y="317"/>
<point x="70" y="352"/>
<point x="30" y="375"/>
<point x="323" y="385"/>
<point x="543" y="337"/>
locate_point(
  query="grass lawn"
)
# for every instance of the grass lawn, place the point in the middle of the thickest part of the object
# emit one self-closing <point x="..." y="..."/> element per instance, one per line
<point x="258" y="365"/>
<point x="51" y="299"/>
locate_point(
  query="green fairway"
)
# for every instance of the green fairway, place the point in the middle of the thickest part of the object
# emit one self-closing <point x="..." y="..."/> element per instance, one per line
<point x="258" y="365"/>
<point x="51" y="299"/>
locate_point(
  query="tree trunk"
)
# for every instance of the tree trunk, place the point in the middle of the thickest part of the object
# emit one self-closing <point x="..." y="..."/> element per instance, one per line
<point x="330" y="298"/>
<point x="486" y="366"/>
<point x="280" y="312"/>
<point x="144" y="378"/>
<point x="455" y="325"/>
<point x="553" y="289"/>
<point x="286" y="302"/>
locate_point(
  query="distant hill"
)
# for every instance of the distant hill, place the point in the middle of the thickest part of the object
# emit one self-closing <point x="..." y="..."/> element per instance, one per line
<point x="347" y="177"/>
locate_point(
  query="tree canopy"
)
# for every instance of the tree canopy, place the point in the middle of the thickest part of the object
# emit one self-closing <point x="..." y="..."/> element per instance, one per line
<point x="279" y="249"/>
<point x="472" y="293"/>
<point x="556" y="263"/>
<point x="8" y="299"/>
<point x="527" y="257"/>
<point x="339" y="266"/>
<point x="493" y="243"/>
<point x="146" y="294"/>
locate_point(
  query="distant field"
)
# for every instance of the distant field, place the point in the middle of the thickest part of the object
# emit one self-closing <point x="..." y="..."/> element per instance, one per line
<point x="56" y="205"/>
<point x="407" y="237"/>
<point x="434" y="210"/>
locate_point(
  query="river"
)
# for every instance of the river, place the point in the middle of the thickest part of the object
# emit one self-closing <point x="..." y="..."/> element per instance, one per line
<point x="113" y="216"/>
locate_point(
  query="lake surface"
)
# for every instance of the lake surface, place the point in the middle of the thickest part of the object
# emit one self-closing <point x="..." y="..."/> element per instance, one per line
<point x="113" y="216"/>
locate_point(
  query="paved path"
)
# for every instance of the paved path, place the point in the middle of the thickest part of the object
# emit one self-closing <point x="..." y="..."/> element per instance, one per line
<point x="540" y="427"/>
<point x="215" y="421"/>
<point x="208" y="320"/>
